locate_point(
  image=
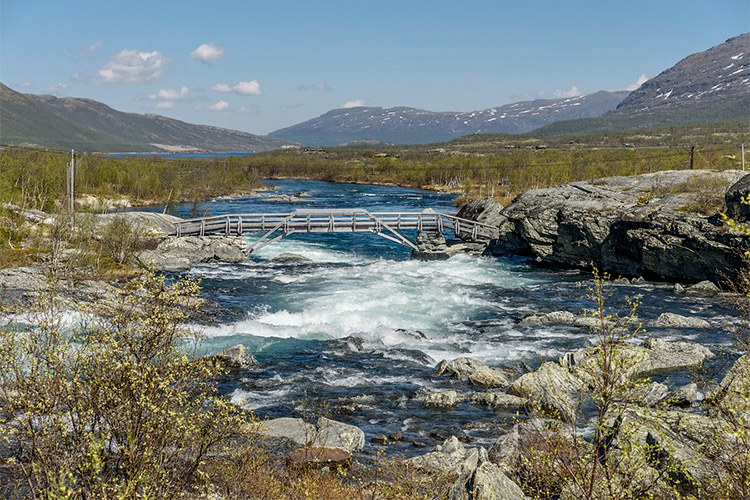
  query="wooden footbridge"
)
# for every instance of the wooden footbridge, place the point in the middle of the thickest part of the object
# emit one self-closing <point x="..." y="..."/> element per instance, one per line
<point x="385" y="224"/>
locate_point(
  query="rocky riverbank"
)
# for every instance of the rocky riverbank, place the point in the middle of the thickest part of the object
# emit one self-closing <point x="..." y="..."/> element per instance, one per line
<point x="647" y="225"/>
<point x="20" y="285"/>
<point x="650" y="427"/>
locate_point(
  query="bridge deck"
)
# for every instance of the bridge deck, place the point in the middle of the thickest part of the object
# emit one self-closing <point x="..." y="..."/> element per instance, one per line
<point x="386" y="224"/>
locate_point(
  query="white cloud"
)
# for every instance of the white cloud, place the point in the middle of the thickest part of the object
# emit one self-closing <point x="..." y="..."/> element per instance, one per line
<point x="248" y="88"/>
<point x="354" y="104"/>
<point x="573" y="92"/>
<point x="221" y="87"/>
<point x="131" y="66"/>
<point x="92" y="48"/>
<point x="165" y="105"/>
<point x="169" y="94"/>
<point x="640" y="81"/>
<point x="219" y="106"/>
<point x="242" y="88"/>
<point x="323" y="87"/>
<point x="207" y="52"/>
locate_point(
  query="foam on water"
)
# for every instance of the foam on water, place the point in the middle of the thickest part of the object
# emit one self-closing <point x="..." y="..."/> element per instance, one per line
<point x="373" y="299"/>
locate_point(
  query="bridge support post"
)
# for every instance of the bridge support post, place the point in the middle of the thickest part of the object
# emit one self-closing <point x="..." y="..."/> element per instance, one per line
<point x="431" y="245"/>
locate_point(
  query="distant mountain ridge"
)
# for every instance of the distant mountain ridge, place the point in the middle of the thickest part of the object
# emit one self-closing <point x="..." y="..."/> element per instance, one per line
<point x="62" y="123"/>
<point x="705" y="87"/>
<point x="403" y="125"/>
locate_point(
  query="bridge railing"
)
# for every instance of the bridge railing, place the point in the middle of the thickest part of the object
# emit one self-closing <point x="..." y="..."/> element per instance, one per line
<point x="333" y="220"/>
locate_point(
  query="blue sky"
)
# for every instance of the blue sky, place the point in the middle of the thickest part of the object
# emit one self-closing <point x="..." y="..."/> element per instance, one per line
<point x="258" y="66"/>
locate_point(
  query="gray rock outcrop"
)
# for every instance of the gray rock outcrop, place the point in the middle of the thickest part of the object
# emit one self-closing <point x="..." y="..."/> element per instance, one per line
<point x="552" y="388"/>
<point x="179" y="254"/>
<point x="150" y="223"/>
<point x="672" y="320"/>
<point x="733" y="199"/>
<point x="236" y="357"/>
<point x="632" y="226"/>
<point x="326" y="434"/>
<point x="557" y="387"/>
<point x="442" y="399"/>
<point x="551" y="318"/>
<point x="477" y="477"/>
<point x="290" y="258"/>
<point x="434" y="246"/>
<point x="497" y="400"/>
<point x="475" y="371"/>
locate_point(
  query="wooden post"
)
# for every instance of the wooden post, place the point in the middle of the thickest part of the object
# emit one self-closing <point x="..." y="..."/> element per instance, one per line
<point x="71" y="182"/>
<point x="692" y="156"/>
<point x="743" y="157"/>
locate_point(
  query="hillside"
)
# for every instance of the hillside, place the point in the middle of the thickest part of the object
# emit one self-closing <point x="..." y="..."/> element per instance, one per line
<point x="403" y="125"/>
<point x="706" y="87"/>
<point x="63" y="123"/>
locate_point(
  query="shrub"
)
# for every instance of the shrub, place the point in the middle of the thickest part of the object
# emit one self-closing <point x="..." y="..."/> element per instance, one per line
<point x="600" y="457"/>
<point x="112" y="409"/>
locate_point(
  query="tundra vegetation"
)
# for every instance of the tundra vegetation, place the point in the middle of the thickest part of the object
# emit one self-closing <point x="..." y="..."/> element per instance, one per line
<point x="498" y="166"/>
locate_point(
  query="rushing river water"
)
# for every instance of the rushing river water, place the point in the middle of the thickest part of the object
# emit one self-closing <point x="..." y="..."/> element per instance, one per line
<point x="359" y="329"/>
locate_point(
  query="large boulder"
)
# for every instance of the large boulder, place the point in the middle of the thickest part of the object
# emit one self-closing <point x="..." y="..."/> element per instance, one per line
<point x="150" y="223"/>
<point x="442" y="399"/>
<point x="733" y="199"/>
<point x="334" y="434"/>
<point x="477" y="372"/>
<point x="326" y="434"/>
<point x="672" y="320"/>
<point x="450" y="457"/>
<point x="662" y="356"/>
<point x="236" y="358"/>
<point x="296" y="430"/>
<point x="180" y="253"/>
<point x="664" y="447"/>
<point x="495" y="399"/>
<point x="733" y="392"/>
<point x="632" y="226"/>
<point x="642" y="360"/>
<point x="552" y="388"/>
<point x="476" y="477"/>
<point x="551" y="318"/>
<point x="490" y="483"/>
<point x="485" y="210"/>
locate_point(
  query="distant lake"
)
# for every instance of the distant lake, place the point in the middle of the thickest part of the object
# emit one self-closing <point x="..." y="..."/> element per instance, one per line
<point x="178" y="155"/>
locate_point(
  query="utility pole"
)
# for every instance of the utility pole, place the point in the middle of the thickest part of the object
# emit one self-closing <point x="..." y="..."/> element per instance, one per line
<point x="71" y="182"/>
<point x="743" y="157"/>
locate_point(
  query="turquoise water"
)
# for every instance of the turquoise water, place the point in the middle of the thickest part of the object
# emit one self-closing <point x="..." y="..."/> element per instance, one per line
<point x="360" y="327"/>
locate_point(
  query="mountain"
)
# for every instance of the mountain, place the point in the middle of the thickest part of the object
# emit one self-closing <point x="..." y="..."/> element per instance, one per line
<point x="416" y="126"/>
<point x="72" y="123"/>
<point x="709" y="86"/>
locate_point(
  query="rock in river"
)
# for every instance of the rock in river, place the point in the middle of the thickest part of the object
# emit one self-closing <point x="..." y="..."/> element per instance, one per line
<point x="672" y="320"/>
<point x="477" y="372"/>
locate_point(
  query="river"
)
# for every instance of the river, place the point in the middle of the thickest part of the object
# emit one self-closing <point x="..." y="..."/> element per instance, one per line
<point x="356" y="332"/>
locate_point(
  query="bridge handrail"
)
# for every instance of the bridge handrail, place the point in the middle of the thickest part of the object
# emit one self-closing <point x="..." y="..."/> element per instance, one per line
<point x="332" y="219"/>
<point x="285" y="215"/>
